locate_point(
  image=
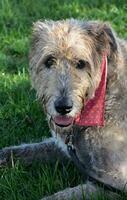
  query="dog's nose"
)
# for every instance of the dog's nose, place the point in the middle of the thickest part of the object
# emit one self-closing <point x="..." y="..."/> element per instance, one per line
<point x="63" y="105"/>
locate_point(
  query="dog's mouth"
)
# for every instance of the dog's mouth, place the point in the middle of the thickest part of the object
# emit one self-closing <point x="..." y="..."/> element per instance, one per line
<point x="63" y="120"/>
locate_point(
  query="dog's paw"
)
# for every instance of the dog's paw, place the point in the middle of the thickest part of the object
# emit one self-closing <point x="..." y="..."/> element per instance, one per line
<point x="5" y="155"/>
<point x="3" y="159"/>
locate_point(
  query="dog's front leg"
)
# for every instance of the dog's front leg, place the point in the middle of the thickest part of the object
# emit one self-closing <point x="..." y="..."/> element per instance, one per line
<point x="46" y="151"/>
<point x="88" y="191"/>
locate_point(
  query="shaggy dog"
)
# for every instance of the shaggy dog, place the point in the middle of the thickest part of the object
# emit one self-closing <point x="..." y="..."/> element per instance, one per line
<point x="66" y="61"/>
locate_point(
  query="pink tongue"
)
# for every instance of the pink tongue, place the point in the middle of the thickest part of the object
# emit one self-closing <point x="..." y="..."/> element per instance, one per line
<point x="63" y="120"/>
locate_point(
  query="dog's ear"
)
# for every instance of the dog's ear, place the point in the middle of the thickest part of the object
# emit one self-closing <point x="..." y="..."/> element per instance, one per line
<point x="103" y="36"/>
<point x="40" y="31"/>
<point x="40" y="36"/>
<point x="38" y="39"/>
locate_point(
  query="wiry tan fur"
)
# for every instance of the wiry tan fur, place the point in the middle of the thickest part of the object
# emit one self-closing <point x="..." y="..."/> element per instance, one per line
<point x="102" y="150"/>
<point x="61" y="43"/>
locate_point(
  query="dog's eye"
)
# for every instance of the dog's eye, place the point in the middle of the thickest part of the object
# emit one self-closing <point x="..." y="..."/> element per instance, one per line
<point x="81" y="64"/>
<point x="49" y="61"/>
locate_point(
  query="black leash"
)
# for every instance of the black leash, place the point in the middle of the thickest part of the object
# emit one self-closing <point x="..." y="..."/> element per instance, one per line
<point x="84" y="171"/>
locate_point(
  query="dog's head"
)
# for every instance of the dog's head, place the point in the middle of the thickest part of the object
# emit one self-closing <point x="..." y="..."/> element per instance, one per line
<point x="65" y="61"/>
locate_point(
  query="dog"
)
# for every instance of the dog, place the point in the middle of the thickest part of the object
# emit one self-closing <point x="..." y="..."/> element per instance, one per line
<point x="66" y="61"/>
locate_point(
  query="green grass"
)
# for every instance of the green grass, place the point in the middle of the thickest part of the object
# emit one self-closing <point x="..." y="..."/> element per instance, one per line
<point x="21" y="117"/>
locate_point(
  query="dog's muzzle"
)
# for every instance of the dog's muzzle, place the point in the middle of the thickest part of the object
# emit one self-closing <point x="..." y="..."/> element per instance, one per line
<point x="63" y="105"/>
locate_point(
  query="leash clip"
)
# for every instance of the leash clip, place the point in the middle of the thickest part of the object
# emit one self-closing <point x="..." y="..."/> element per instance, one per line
<point x="69" y="141"/>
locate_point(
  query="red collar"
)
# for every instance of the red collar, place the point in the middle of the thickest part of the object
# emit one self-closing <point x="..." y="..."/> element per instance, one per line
<point x="93" y="112"/>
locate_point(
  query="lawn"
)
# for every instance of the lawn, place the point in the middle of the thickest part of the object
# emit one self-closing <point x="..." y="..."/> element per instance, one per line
<point x="21" y="117"/>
